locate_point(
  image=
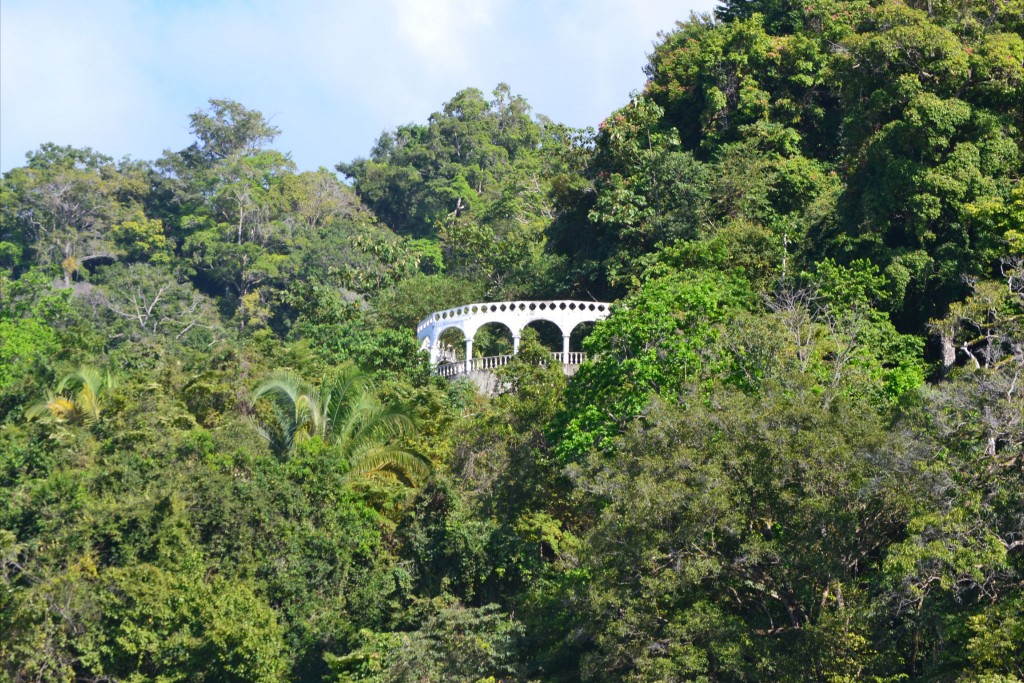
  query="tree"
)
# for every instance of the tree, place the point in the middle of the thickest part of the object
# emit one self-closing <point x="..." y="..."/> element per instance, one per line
<point x="985" y="333"/>
<point x="407" y="302"/>
<point x="152" y="301"/>
<point x="61" y="212"/>
<point x="339" y="328"/>
<point x="144" y="621"/>
<point x="659" y="340"/>
<point x="455" y="643"/>
<point x="345" y="415"/>
<point x="472" y="177"/>
<point x="737" y="539"/>
<point x="228" y="129"/>
<point x="82" y="407"/>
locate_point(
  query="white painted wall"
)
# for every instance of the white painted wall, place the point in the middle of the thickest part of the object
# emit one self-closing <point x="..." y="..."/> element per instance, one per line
<point x="515" y="315"/>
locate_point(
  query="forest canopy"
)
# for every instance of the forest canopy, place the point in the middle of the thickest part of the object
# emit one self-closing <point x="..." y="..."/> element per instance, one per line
<point x="795" y="451"/>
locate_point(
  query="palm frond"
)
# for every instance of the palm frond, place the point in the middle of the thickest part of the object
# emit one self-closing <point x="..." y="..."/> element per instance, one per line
<point x="391" y="460"/>
<point x="349" y="416"/>
<point x="276" y="431"/>
<point x="53" y="406"/>
<point x="91" y="384"/>
<point x="341" y="393"/>
<point x="296" y="406"/>
<point x="88" y="384"/>
<point x="383" y="423"/>
<point x="360" y="407"/>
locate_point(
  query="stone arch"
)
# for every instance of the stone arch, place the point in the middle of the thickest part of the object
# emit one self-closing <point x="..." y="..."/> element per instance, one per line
<point x="515" y="315"/>
<point x="451" y="341"/>
<point x="438" y="331"/>
<point x="501" y="342"/>
<point x="579" y="332"/>
<point x="430" y="338"/>
<point x="548" y="332"/>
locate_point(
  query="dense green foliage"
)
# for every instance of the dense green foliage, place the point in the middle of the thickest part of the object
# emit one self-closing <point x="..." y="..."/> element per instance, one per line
<point x="795" y="452"/>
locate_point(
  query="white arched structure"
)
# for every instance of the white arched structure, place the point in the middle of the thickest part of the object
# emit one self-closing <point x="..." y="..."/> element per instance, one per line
<point x="515" y="315"/>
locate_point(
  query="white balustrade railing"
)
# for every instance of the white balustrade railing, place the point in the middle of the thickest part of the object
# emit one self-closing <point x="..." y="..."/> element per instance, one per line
<point x="490" y="362"/>
<point x="449" y="370"/>
<point x="575" y="357"/>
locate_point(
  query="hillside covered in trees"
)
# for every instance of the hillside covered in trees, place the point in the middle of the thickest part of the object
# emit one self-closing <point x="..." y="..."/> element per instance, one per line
<point x="795" y="453"/>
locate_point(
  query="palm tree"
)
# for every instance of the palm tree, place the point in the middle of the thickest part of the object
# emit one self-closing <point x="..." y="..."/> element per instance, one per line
<point x="348" y="416"/>
<point x="81" y="407"/>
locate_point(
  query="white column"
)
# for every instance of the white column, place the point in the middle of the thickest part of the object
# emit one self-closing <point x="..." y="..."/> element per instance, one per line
<point x="434" y="351"/>
<point x="515" y="344"/>
<point x="565" y="349"/>
<point x="469" y="354"/>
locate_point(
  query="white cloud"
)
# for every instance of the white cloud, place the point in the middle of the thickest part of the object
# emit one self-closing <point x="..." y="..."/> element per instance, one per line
<point x="122" y="76"/>
<point x="439" y="31"/>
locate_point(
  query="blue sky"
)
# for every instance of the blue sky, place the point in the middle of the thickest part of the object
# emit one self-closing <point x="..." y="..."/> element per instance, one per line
<point x="121" y="76"/>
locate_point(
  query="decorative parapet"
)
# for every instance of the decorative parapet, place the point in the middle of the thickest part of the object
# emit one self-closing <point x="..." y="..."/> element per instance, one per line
<point x="515" y="315"/>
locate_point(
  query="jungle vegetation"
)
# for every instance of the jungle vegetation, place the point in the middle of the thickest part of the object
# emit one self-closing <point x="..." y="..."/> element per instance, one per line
<point x="795" y="453"/>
